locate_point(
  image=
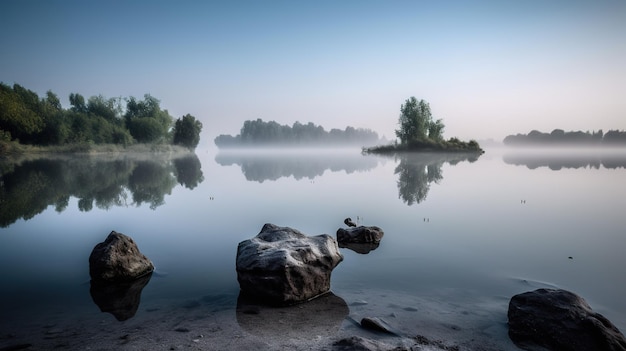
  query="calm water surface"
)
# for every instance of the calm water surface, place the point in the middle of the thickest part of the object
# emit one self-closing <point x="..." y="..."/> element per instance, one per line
<point x="465" y="232"/>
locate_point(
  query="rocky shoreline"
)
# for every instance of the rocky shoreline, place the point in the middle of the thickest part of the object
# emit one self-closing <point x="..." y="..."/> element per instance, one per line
<point x="298" y="310"/>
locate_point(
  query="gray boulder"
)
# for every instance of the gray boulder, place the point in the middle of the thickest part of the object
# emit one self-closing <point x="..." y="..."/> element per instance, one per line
<point x="360" y="235"/>
<point x="556" y="319"/>
<point x="118" y="259"/>
<point x="283" y="266"/>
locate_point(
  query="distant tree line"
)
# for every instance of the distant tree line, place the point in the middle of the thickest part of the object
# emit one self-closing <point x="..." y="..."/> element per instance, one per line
<point x="261" y="133"/>
<point x="561" y="137"/>
<point x="28" y="119"/>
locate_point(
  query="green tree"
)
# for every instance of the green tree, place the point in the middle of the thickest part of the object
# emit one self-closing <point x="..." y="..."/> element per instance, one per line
<point x="146" y="121"/>
<point x="20" y="114"/>
<point x="187" y="131"/>
<point x="415" y="120"/>
<point x="435" y="130"/>
<point x="53" y="100"/>
<point x="55" y="130"/>
<point x="106" y="108"/>
<point x="78" y="103"/>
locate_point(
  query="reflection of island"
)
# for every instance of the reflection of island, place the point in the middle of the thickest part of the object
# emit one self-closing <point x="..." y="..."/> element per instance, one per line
<point x="119" y="299"/>
<point x="416" y="171"/>
<point x="28" y="187"/>
<point x="321" y="316"/>
<point x="267" y="165"/>
<point x="568" y="159"/>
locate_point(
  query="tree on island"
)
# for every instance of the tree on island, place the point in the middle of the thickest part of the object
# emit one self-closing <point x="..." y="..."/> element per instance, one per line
<point x="418" y="131"/>
<point x="416" y="122"/>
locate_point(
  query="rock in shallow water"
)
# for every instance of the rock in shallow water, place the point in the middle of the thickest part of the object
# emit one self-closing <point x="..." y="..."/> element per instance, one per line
<point x="556" y="319"/>
<point x="283" y="266"/>
<point x="360" y="234"/>
<point x="118" y="259"/>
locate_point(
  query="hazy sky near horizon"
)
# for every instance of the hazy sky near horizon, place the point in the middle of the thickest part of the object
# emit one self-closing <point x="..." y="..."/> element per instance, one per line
<point x="487" y="68"/>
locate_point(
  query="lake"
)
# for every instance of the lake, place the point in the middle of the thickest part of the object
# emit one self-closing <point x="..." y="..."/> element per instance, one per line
<point x="463" y="234"/>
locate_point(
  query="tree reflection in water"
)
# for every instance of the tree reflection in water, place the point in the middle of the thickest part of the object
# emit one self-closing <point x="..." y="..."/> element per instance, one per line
<point x="271" y="165"/>
<point x="28" y="187"/>
<point x="416" y="172"/>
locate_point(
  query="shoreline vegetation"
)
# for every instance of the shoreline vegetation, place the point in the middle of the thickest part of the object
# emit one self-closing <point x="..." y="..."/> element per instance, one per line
<point x="29" y="123"/>
<point x="8" y="149"/>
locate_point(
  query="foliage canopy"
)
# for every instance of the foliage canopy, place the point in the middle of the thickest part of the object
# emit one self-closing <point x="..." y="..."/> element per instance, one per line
<point x="416" y="122"/>
<point x="27" y="119"/>
<point x="187" y="131"/>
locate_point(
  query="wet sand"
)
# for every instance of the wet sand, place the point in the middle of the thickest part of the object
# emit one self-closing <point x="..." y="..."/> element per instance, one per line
<point x="222" y="322"/>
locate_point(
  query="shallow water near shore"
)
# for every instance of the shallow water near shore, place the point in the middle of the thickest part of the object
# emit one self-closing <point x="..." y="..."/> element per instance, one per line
<point x="463" y="234"/>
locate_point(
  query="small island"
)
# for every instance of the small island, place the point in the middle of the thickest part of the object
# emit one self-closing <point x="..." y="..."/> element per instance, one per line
<point x="31" y="124"/>
<point x="418" y="132"/>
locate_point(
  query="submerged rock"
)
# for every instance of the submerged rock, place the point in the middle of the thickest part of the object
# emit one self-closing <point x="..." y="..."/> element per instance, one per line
<point x="118" y="259"/>
<point x="556" y="319"/>
<point x="360" y="235"/>
<point x="283" y="266"/>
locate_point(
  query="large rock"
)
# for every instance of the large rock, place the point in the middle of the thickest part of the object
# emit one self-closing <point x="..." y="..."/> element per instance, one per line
<point x="360" y="235"/>
<point x="556" y="319"/>
<point x="118" y="259"/>
<point x="283" y="266"/>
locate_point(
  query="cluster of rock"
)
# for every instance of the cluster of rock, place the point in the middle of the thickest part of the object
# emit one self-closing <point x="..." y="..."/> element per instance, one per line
<point x="360" y="239"/>
<point x="282" y="266"/>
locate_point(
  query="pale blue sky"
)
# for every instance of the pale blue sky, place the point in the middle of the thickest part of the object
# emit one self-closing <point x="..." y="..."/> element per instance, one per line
<point x="487" y="68"/>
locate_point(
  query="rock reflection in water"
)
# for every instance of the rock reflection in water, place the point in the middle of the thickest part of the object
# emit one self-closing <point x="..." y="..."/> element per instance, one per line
<point x="321" y="316"/>
<point x="120" y="299"/>
<point x="362" y="248"/>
